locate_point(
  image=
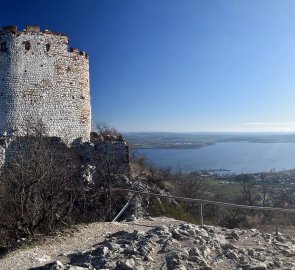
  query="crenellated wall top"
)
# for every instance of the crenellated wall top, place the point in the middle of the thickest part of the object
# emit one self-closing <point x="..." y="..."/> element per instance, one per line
<point x="35" y="30"/>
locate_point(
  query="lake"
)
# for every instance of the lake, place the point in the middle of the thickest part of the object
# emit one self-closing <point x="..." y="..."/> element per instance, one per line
<point x="238" y="157"/>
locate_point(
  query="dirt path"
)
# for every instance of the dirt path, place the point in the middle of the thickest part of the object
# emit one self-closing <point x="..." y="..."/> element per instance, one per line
<point x="79" y="238"/>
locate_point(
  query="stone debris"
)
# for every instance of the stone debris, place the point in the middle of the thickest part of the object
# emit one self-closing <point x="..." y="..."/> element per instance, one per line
<point x="184" y="246"/>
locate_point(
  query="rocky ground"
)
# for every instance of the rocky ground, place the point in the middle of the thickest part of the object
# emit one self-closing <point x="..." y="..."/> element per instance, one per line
<point x="146" y="244"/>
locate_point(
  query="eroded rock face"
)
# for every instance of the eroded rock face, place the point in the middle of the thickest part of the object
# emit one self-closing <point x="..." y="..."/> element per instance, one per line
<point x="185" y="246"/>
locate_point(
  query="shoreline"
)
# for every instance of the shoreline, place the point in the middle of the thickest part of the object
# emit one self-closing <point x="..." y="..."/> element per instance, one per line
<point x="202" y="146"/>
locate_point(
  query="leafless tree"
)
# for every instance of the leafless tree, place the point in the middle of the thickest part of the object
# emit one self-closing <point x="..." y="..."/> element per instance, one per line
<point x="39" y="184"/>
<point x="104" y="130"/>
<point x="111" y="170"/>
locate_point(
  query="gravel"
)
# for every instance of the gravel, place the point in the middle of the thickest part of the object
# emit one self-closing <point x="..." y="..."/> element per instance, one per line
<point x="158" y="243"/>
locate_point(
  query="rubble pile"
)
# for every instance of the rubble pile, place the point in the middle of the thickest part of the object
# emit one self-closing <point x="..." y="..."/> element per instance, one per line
<point x="184" y="246"/>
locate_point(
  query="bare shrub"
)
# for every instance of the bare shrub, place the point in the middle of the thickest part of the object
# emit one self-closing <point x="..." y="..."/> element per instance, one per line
<point x="232" y="218"/>
<point x="111" y="170"/>
<point x="104" y="130"/>
<point x="38" y="186"/>
<point x="42" y="188"/>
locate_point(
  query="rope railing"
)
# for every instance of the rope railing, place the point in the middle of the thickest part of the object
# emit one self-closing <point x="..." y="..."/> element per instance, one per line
<point x="203" y="201"/>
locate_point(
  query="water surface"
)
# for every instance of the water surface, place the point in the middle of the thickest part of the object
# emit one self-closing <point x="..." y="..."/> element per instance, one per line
<point x="238" y="157"/>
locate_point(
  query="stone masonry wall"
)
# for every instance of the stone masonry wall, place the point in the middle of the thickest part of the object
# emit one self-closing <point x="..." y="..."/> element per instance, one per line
<point x="41" y="79"/>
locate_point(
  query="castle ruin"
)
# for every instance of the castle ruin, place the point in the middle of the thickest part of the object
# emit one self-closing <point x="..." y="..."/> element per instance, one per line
<point x="41" y="79"/>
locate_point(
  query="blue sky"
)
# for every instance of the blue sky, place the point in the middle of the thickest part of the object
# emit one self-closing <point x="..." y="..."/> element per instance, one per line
<point x="174" y="65"/>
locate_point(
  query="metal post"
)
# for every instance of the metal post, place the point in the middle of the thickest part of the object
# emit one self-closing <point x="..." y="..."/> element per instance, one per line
<point x="201" y="215"/>
<point x="277" y="229"/>
<point x="136" y="206"/>
<point x="276" y="224"/>
<point x="123" y="209"/>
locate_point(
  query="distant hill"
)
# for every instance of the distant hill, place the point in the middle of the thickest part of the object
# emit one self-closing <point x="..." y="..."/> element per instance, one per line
<point x="149" y="140"/>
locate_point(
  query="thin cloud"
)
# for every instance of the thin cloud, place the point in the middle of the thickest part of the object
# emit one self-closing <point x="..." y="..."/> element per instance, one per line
<point x="267" y="123"/>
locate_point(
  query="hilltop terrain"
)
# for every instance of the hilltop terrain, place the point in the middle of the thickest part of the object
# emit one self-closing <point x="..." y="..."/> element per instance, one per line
<point x="157" y="243"/>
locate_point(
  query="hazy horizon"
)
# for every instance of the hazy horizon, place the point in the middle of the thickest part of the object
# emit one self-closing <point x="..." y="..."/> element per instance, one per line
<point x="214" y="132"/>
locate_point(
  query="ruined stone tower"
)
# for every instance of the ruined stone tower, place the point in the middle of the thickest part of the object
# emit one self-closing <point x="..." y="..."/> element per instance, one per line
<point x="41" y="79"/>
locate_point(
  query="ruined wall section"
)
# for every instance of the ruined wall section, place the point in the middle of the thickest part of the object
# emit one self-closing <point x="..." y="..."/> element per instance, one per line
<point x="41" y="79"/>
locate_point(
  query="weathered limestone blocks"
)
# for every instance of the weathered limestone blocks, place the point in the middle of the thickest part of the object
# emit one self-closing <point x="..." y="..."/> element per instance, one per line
<point x="45" y="83"/>
<point x="182" y="246"/>
<point x="42" y="79"/>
